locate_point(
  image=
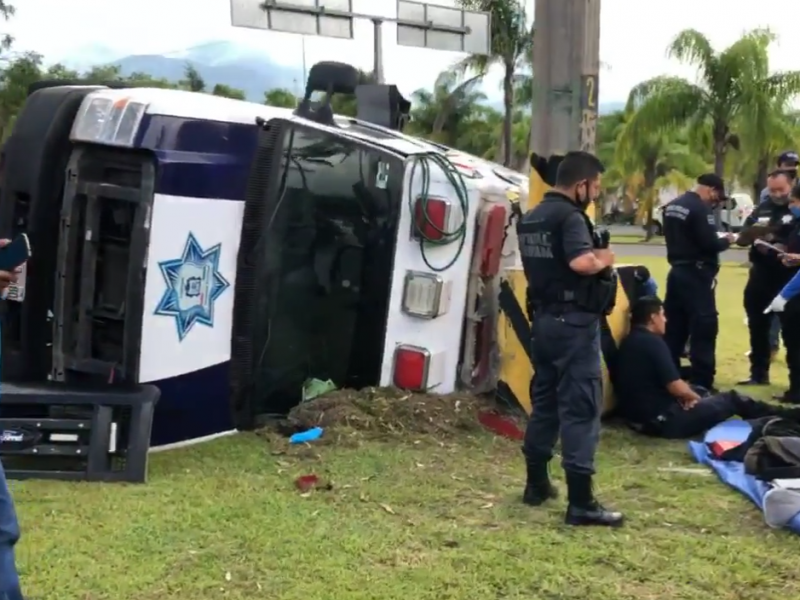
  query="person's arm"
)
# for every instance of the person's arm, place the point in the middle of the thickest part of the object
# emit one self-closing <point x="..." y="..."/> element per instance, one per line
<point x="579" y="247"/>
<point x="705" y="233"/>
<point x="791" y="289"/>
<point x="668" y="376"/>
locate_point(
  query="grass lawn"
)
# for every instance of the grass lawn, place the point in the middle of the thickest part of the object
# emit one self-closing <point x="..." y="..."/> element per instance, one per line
<point x="430" y="517"/>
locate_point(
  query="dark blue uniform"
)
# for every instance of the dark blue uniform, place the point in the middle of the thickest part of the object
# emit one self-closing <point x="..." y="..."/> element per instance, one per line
<point x="566" y="395"/>
<point x="644" y="371"/>
<point x="766" y="278"/>
<point x="690" y="306"/>
<point x="790" y="324"/>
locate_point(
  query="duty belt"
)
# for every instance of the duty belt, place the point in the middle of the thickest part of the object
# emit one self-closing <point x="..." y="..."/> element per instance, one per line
<point x="699" y="264"/>
<point x="558" y="309"/>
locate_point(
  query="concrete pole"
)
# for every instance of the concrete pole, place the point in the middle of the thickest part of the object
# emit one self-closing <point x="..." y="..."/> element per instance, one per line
<point x="566" y="65"/>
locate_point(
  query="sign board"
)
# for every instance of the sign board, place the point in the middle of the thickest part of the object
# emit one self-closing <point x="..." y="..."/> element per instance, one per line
<point x="327" y="18"/>
<point x="443" y="28"/>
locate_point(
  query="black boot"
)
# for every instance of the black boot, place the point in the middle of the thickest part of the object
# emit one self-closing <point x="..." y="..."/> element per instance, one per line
<point x="538" y="488"/>
<point x="583" y="508"/>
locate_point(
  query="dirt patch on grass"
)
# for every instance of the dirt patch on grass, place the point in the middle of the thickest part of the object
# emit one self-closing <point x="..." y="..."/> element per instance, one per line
<point x="392" y="411"/>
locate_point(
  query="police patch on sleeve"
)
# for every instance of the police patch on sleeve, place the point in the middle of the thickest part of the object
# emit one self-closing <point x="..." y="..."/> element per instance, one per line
<point x="193" y="285"/>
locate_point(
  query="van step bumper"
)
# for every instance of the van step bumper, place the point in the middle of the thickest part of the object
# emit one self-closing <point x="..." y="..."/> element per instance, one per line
<point x="73" y="432"/>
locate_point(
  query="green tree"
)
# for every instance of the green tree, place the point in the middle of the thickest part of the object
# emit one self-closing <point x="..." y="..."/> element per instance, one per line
<point x="59" y="71"/>
<point x="280" y="97"/>
<point x="444" y="113"/>
<point x="227" y="91"/>
<point x="192" y="80"/>
<point x="512" y="45"/>
<point x="15" y="78"/>
<point x="103" y="74"/>
<point x="652" y="162"/>
<point x="727" y="92"/>
<point x="345" y="104"/>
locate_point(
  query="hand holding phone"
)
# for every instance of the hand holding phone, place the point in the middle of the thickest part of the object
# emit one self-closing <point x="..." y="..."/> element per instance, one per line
<point x="15" y="253"/>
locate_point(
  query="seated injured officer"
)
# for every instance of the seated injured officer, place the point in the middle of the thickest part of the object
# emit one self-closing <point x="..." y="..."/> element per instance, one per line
<point x="654" y="399"/>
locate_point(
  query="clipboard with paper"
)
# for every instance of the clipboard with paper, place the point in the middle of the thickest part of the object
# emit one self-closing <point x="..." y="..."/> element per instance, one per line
<point x="752" y="233"/>
<point x="768" y="246"/>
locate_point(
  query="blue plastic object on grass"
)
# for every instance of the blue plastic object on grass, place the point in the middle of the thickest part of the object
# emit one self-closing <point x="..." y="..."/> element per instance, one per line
<point x="732" y="473"/>
<point x="306" y="436"/>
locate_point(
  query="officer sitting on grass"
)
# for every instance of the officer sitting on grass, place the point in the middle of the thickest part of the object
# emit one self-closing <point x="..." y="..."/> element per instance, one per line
<point x="654" y="399"/>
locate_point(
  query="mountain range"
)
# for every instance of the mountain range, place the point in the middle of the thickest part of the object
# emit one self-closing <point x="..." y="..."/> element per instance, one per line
<point x="218" y="62"/>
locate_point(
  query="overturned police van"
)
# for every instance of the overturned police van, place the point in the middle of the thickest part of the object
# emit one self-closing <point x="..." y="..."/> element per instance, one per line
<point x="197" y="259"/>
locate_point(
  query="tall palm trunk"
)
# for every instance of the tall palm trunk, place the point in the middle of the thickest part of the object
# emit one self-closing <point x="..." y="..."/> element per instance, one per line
<point x="508" y="106"/>
<point x="651" y="195"/>
<point x="720" y="151"/>
<point x="761" y="177"/>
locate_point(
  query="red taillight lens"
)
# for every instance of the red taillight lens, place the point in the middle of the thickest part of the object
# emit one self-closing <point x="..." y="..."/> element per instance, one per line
<point x="431" y="219"/>
<point x="411" y="364"/>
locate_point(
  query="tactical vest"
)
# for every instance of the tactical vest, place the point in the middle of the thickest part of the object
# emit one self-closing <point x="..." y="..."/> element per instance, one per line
<point x="551" y="281"/>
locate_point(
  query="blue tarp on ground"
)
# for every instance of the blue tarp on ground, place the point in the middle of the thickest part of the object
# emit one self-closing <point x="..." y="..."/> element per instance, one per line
<point x="732" y="473"/>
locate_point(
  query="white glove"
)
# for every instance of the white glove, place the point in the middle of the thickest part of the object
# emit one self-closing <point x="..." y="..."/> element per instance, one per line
<point x="777" y="305"/>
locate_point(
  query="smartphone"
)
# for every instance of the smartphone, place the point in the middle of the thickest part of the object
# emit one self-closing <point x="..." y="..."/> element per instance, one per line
<point x="16" y="253"/>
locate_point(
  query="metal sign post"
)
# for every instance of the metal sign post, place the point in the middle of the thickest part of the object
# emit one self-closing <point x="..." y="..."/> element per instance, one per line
<point x="418" y="25"/>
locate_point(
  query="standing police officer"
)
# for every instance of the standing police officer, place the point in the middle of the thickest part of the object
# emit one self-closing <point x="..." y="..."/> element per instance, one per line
<point x="693" y="248"/>
<point x="569" y="288"/>
<point x="773" y="222"/>
<point x="787" y="304"/>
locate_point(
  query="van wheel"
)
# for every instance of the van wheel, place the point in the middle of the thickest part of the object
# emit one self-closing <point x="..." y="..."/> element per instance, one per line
<point x="655" y="229"/>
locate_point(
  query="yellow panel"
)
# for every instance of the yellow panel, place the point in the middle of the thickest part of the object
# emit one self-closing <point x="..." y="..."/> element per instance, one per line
<point x="515" y="368"/>
<point x="536" y="190"/>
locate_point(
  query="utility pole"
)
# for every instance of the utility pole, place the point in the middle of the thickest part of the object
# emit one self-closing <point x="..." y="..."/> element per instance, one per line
<point x="566" y="65"/>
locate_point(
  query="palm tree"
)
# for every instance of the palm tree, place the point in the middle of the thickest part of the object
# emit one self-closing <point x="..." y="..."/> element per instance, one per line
<point x="442" y="114"/>
<point x="512" y="43"/>
<point x="724" y="94"/>
<point x="659" y="158"/>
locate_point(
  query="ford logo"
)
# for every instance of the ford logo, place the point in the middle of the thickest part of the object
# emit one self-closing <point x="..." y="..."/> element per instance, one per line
<point x="18" y="436"/>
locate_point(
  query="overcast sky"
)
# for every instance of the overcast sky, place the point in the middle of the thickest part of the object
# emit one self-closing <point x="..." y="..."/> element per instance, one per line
<point x="635" y="34"/>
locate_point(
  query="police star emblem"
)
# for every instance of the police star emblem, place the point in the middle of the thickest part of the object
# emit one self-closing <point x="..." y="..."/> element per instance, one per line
<point x="193" y="285"/>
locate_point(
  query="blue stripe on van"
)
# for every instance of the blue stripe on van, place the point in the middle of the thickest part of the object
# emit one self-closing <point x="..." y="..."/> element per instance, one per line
<point x="200" y="159"/>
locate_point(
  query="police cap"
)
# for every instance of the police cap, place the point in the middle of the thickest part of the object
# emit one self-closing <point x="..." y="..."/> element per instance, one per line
<point x="790" y="157"/>
<point x="713" y="181"/>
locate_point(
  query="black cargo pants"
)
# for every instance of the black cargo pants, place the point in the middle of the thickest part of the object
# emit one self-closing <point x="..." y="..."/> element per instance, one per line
<point x="566" y="390"/>
<point x="790" y="328"/>
<point x="690" y="306"/>
<point x="763" y="284"/>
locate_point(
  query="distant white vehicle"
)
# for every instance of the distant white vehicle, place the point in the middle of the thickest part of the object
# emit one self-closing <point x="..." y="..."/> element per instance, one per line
<point x="734" y="213"/>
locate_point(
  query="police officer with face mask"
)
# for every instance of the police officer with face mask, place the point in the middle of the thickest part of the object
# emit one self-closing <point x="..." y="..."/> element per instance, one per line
<point x="693" y="248"/>
<point x="771" y="222"/>
<point x="569" y="289"/>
